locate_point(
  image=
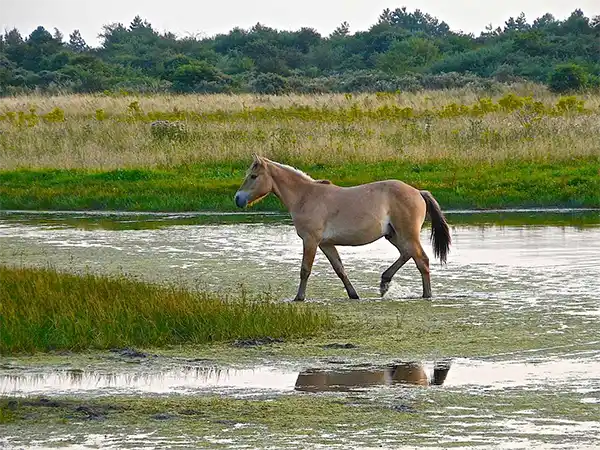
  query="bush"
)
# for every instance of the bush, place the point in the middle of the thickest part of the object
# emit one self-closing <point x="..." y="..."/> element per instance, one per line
<point x="269" y="83"/>
<point x="567" y="77"/>
<point x="163" y="129"/>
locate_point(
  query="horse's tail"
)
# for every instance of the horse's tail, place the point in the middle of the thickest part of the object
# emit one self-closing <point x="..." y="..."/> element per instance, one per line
<point x="440" y="372"/>
<point x="440" y="232"/>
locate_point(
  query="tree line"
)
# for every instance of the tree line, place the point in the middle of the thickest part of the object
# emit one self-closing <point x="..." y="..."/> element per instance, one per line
<point x="404" y="50"/>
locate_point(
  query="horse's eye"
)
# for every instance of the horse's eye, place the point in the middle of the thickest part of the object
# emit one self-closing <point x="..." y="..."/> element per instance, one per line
<point x="253" y="176"/>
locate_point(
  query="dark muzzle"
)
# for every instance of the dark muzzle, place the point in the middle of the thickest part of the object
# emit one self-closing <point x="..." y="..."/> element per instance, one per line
<point x="241" y="199"/>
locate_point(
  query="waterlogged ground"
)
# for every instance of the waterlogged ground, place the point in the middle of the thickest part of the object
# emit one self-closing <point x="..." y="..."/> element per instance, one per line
<point x="515" y="313"/>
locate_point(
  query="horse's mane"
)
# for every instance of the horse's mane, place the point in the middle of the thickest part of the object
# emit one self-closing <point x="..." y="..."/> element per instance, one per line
<point x="323" y="181"/>
<point x="293" y="169"/>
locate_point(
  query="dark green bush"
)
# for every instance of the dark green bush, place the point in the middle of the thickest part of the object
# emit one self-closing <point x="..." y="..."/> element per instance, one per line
<point x="567" y="77"/>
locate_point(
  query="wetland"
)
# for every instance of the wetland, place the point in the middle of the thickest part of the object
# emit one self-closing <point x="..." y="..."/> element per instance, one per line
<point x="514" y="316"/>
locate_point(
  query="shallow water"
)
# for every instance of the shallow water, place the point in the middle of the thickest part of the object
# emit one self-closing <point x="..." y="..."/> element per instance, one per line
<point x="515" y="266"/>
<point x="578" y="373"/>
<point x="503" y="262"/>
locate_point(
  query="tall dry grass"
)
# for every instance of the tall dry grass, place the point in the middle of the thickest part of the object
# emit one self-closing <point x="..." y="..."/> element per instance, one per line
<point x="85" y="104"/>
<point x="100" y="132"/>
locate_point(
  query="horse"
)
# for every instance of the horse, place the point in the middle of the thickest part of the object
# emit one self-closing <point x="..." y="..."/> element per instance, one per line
<point x="326" y="215"/>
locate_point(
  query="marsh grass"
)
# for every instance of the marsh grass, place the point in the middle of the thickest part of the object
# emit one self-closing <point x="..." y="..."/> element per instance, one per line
<point x="42" y="309"/>
<point x="95" y="132"/>
<point x="523" y="147"/>
<point x="211" y="187"/>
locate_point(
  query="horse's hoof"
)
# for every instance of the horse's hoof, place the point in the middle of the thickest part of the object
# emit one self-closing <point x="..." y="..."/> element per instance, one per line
<point x="297" y="299"/>
<point x="383" y="288"/>
<point x="354" y="296"/>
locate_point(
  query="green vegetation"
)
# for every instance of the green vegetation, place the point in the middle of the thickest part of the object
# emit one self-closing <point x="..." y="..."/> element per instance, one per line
<point x="288" y="420"/>
<point x="567" y="77"/>
<point x="402" y="51"/>
<point x="166" y="153"/>
<point x="41" y="310"/>
<point x="211" y="187"/>
<point x="95" y="312"/>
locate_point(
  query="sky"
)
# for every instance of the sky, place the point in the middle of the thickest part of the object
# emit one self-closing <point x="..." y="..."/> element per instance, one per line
<point x="207" y="18"/>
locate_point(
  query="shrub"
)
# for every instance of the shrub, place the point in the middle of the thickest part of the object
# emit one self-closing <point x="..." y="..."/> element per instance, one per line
<point x="269" y="83"/>
<point x="163" y="129"/>
<point x="567" y="77"/>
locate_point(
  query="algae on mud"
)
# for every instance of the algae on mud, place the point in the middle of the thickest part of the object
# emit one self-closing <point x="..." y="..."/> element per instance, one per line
<point x="406" y="417"/>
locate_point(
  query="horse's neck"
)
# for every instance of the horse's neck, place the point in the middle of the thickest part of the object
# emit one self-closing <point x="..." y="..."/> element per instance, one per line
<point x="288" y="185"/>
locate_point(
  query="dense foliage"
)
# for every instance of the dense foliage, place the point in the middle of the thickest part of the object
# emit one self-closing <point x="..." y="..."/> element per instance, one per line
<point x="402" y="51"/>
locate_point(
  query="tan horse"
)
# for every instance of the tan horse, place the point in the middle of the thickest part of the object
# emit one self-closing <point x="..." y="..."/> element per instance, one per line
<point x="326" y="215"/>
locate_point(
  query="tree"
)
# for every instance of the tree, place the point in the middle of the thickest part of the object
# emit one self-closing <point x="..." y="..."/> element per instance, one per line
<point x="595" y="24"/>
<point x="545" y="21"/>
<point x="409" y="55"/>
<point x="77" y="43"/>
<point x="269" y="83"/>
<point x="195" y="77"/>
<point x="137" y="23"/>
<point x="567" y="77"/>
<point x="58" y="36"/>
<point x="341" y="30"/>
<point x="518" y="24"/>
<point x="13" y="37"/>
<point x="577" y="23"/>
<point x="414" y="22"/>
<point x="306" y="38"/>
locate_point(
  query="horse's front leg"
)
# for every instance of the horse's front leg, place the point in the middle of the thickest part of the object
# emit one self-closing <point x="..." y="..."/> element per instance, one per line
<point x="308" y="257"/>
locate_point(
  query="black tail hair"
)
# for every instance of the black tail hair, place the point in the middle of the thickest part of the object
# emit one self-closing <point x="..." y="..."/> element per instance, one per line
<point x="440" y="372"/>
<point x="440" y="232"/>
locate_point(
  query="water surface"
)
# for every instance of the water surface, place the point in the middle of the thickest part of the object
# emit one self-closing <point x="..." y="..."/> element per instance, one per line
<point x="539" y="265"/>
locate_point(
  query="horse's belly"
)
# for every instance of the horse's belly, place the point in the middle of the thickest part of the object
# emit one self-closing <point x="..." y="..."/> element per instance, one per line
<point x="346" y="234"/>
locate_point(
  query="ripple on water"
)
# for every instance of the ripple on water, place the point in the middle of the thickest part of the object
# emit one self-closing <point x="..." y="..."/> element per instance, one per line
<point x="511" y="267"/>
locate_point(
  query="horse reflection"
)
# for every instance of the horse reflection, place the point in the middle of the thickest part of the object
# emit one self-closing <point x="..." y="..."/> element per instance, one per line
<point x="411" y="373"/>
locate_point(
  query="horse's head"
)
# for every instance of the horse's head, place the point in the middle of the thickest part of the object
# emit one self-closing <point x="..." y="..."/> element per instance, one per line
<point x="256" y="185"/>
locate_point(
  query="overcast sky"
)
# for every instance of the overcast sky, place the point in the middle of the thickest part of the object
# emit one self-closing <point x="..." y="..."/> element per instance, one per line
<point x="185" y="17"/>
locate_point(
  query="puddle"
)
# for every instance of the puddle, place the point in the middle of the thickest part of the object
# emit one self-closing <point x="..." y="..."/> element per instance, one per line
<point x="194" y="380"/>
<point x="183" y="380"/>
<point x="321" y="380"/>
<point x="577" y="375"/>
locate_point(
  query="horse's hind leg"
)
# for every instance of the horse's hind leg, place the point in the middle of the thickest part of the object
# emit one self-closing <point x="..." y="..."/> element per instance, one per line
<point x="422" y="262"/>
<point x="386" y="277"/>
<point x="334" y="258"/>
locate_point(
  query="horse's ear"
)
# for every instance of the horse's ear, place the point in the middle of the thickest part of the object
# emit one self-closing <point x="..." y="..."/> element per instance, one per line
<point x="258" y="159"/>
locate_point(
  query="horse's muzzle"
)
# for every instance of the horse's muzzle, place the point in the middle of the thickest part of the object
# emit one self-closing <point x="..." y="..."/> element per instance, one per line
<point x="241" y="199"/>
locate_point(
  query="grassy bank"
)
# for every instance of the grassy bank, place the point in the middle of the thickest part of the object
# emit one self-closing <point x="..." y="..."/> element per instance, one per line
<point x="41" y="310"/>
<point x="524" y="147"/>
<point x="572" y="183"/>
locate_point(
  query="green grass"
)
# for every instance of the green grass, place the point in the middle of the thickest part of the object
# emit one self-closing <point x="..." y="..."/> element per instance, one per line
<point x="211" y="187"/>
<point x="41" y="310"/>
